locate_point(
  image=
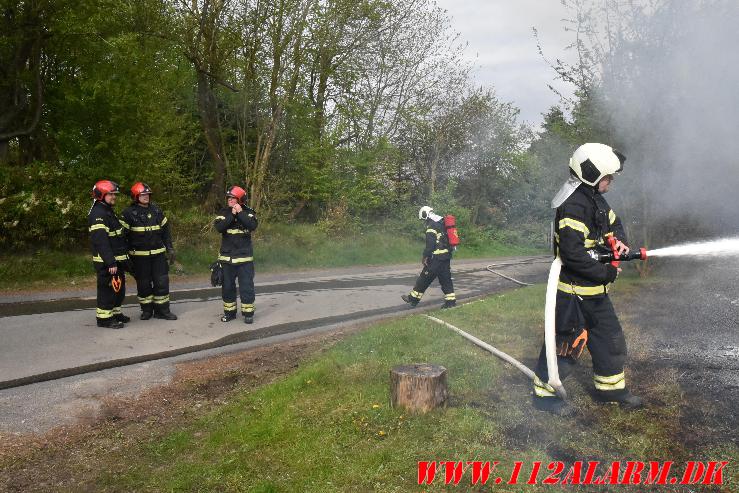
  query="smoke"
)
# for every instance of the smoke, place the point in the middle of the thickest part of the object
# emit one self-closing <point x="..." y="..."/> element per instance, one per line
<point x="670" y="95"/>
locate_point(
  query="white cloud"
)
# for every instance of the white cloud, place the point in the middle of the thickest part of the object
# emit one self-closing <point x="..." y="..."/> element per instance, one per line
<point x="502" y="46"/>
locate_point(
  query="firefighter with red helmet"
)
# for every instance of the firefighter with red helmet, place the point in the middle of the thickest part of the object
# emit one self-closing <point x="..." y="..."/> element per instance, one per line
<point x="150" y="246"/>
<point x="109" y="255"/>
<point x="236" y="222"/>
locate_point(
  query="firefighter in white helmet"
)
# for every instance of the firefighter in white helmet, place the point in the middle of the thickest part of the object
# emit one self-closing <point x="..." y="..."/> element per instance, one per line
<point x="584" y="313"/>
<point x="437" y="257"/>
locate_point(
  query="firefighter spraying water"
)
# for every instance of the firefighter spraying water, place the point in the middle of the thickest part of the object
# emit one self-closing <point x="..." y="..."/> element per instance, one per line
<point x="589" y="241"/>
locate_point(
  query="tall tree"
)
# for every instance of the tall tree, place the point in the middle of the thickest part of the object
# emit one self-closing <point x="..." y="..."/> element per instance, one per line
<point x="210" y="39"/>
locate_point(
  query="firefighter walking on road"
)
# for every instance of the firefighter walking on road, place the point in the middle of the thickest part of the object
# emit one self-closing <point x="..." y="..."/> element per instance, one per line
<point x="437" y="257"/>
<point x="236" y="223"/>
<point x="584" y="314"/>
<point x="108" y="255"/>
<point x="150" y="246"/>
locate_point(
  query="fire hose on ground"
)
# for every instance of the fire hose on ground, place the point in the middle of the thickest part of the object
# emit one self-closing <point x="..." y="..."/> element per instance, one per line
<point x="487" y="347"/>
<point x="550" y="334"/>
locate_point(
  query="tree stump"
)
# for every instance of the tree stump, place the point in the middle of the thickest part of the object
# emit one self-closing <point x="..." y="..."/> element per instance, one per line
<point x="418" y="388"/>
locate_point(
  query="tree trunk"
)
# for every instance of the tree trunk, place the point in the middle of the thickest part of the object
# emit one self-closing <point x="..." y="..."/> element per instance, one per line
<point x="418" y="388"/>
<point x="208" y="110"/>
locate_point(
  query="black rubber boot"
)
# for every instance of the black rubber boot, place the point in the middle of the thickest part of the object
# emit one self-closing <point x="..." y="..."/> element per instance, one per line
<point x="625" y="400"/>
<point x="122" y="318"/>
<point x="110" y="323"/>
<point x="165" y="315"/>
<point x="553" y="405"/>
<point x="449" y="304"/>
<point x="248" y="318"/>
<point x="410" y="300"/>
<point x="228" y="316"/>
<point x="146" y="315"/>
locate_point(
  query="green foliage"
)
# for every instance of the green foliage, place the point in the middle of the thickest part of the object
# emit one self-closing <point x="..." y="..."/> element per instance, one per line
<point x="38" y="209"/>
<point x="145" y="91"/>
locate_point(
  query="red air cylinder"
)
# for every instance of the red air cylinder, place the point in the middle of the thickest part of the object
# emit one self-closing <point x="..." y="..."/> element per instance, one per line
<point x="450" y="223"/>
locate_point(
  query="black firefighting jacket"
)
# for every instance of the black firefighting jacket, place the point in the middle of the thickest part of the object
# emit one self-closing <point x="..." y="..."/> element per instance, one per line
<point x="581" y="225"/>
<point x="106" y="236"/>
<point x="236" y="234"/>
<point x="147" y="230"/>
<point x="437" y="243"/>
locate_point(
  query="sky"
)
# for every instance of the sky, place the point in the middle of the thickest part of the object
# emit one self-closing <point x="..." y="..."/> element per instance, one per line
<point x="503" y="48"/>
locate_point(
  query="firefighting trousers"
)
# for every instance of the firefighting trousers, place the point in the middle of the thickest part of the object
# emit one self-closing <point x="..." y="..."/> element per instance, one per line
<point x="152" y="282"/>
<point x="436" y="268"/>
<point x="244" y="272"/>
<point x="606" y="344"/>
<point x="108" y="300"/>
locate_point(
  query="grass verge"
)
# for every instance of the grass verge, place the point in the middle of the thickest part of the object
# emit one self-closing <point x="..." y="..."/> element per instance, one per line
<point x="328" y="427"/>
<point x="277" y="248"/>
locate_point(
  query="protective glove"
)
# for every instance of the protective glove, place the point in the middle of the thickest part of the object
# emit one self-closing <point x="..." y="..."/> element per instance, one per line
<point x="116" y="282"/>
<point x="571" y="332"/>
<point x="572" y="344"/>
<point x="171" y="256"/>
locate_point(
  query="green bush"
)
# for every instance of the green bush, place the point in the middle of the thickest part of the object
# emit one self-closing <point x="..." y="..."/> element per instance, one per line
<point x="41" y="206"/>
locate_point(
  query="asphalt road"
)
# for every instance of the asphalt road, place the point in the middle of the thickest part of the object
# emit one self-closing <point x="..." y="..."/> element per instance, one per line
<point x="55" y="363"/>
<point x="689" y="319"/>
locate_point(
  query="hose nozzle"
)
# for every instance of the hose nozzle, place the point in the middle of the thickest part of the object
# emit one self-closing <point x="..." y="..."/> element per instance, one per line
<point x="640" y="254"/>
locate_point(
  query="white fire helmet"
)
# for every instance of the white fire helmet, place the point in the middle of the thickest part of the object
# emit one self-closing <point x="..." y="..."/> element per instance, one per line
<point x="423" y="212"/>
<point x="591" y="162"/>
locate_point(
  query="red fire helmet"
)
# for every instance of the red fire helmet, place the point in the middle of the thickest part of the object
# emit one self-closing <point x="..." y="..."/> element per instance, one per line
<point x="237" y="192"/>
<point x="104" y="187"/>
<point x="139" y="188"/>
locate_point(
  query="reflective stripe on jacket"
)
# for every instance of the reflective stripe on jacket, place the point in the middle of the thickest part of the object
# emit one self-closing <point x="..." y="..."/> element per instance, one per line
<point x="107" y="239"/>
<point x="235" y="232"/>
<point x="437" y="243"/>
<point x="581" y="225"/>
<point x="147" y="229"/>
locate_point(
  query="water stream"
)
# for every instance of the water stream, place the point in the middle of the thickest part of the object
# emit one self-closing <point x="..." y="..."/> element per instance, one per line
<point x="715" y="248"/>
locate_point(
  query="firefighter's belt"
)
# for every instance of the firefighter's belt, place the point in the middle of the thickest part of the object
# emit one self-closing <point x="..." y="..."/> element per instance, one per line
<point x="235" y="260"/>
<point x="582" y="290"/>
<point x="144" y="253"/>
<point x="119" y="258"/>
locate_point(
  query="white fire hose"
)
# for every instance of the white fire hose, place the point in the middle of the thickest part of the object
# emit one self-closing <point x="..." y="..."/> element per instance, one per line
<point x="497" y="352"/>
<point x="550" y="335"/>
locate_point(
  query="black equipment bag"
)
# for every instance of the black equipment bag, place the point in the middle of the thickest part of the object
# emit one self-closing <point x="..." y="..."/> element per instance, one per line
<point x="216" y="274"/>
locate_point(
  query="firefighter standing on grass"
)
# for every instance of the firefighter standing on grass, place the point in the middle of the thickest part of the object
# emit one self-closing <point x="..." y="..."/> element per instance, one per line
<point x="437" y="257"/>
<point x="150" y="246"/>
<point x="236" y="223"/>
<point x="108" y="255"/>
<point x="584" y="313"/>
